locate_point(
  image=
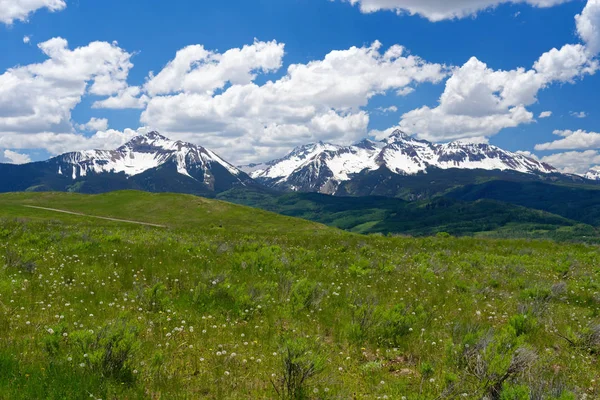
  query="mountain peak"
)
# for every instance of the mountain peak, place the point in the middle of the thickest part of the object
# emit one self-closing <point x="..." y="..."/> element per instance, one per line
<point x="400" y="134"/>
<point x="154" y="135"/>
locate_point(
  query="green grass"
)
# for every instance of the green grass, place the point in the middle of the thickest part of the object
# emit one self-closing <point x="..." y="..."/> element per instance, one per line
<point x="230" y="302"/>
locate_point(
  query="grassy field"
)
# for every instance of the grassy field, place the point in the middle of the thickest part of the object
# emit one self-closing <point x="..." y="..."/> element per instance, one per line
<point x="229" y="302"/>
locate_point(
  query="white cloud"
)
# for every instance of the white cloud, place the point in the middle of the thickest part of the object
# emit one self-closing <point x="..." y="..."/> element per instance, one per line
<point x="12" y="157"/>
<point x="477" y="101"/>
<point x="245" y="121"/>
<point x="130" y="97"/>
<point x="405" y="91"/>
<point x="26" y="39"/>
<point x="438" y="10"/>
<point x="12" y="10"/>
<point x="480" y="101"/>
<point x="95" y="124"/>
<point x="57" y="143"/>
<point x="578" y="114"/>
<point x="196" y="70"/>
<point x="573" y="162"/>
<point x="588" y="25"/>
<point x="37" y="99"/>
<point x="387" y="110"/>
<point x="527" y="154"/>
<point x="545" y="114"/>
<point x="578" y="139"/>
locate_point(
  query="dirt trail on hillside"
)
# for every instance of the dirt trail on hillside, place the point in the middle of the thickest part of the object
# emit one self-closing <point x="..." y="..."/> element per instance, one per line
<point x="95" y="216"/>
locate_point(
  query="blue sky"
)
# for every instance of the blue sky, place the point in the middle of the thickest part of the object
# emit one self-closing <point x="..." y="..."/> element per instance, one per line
<point x="466" y="82"/>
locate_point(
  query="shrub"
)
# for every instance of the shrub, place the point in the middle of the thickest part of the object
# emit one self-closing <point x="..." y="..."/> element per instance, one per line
<point x="305" y="295"/>
<point x="299" y="364"/>
<point x="395" y="323"/>
<point x="110" y="351"/>
<point x="523" y="324"/>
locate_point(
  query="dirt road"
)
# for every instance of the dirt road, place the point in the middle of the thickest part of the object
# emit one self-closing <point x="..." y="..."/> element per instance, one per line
<point x="94" y="216"/>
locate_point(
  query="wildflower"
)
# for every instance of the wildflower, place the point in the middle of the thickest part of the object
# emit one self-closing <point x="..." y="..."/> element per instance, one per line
<point x="51" y="331"/>
<point x="82" y="365"/>
<point x="226" y="373"/>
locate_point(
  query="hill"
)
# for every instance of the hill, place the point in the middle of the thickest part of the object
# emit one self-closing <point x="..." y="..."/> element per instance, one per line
<point x="385" y="215"/>
<point x="229" y="302"/>
<point x="577" y="202"/>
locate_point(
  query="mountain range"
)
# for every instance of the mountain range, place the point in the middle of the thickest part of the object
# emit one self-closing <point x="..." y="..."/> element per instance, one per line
<point x="396" y="166"/>
<point x="327" y="168"/>
<point x="396" y="185"/>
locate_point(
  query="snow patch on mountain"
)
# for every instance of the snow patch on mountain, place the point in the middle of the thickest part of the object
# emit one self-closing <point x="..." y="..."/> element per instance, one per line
<point x="141" y="154"/>
<point x="593" y="174"/>
<point x="322" y="166"/>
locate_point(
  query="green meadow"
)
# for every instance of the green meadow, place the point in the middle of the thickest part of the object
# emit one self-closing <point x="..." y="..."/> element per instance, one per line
<point x="231" y="302"/>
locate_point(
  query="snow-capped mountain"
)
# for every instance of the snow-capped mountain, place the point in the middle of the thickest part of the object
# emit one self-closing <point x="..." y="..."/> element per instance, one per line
<point x="141" y="154"/>
<point x="147" y="162"/>
<point x="593" y="174"/>
<point x="322" y="167"/>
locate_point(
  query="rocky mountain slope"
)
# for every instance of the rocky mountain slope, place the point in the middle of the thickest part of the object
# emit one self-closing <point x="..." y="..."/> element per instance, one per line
<point x="323" y="167"/>
<point x="148" y="162"/>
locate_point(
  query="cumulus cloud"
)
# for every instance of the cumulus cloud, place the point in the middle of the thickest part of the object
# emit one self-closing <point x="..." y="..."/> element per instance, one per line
<point x="13" y="10"/>
<point x="212" y="98"/>
<point x="37" y="99"/>
<point x="26" y="39"/>
<point x="545" y="114"/>
<point x="480" y="101"/>
<point x="12" y="157"/>
<point x="438" y="10"/>
<point x="578" y="139"/>
<point x="588" y="25"/>
<point x="57" y="143"/>
<point x="130" y="97"/>
<point x="95" y="124"/>
<point x="196" y="70"/>
<point x="574" y="162"/>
